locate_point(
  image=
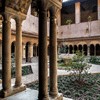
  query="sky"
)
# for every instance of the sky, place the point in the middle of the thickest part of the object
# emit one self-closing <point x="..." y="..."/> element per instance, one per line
<point x="65" y="0"/>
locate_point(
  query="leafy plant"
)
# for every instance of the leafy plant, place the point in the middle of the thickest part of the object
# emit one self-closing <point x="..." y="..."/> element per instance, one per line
<point x="94" y="60"/>
<point x="78" y="66"/>
<point x="12" y="59"/>
<point x="89" y="18"/>
<point x="69" y="89"/>
<point x="68" y="22"/>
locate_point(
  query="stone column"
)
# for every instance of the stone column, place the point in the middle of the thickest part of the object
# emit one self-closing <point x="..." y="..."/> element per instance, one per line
<point x="6" y="53"/>
<point x="73" y="49"/>
<point x="88" y="50"/>
<point x="43" y="68"/>
<point x="77" y="12"/>
<point x="23" y="50"/>
<point x="98" y="9"/>
<point x="68" y="49"/>
<point x="0" y="52"/>
<point x="53" y="53"/>
<point x="94" y="50"/>
<point x="18" y="51"/>
<point x="82" y="50"/>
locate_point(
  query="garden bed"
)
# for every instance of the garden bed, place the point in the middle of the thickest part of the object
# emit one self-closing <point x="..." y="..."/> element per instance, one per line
<point x="71" y="89"/>
<point x="26" y="70"/>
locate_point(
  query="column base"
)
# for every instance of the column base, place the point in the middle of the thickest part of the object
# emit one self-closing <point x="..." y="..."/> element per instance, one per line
<point x="59" y="97"/>
<point x="13" y="90"/>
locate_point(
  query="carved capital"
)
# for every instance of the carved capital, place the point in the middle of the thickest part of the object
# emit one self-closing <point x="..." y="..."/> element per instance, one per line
<point x="54" y="11"/>
<point x="43" y="5"/>
<point x="6" y="17"/>
<point x="18" y="20"/>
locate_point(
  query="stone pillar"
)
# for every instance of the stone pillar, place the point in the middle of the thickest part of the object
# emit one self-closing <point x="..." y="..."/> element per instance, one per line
<point x="88" y="50"/>
<point x="23" y="50"/>
<point x="6" y="53"/>
<point x="0" y="52"/>
<point x="43" y="68"/>
<point x="82" y="50"/>
<point x="77" y="12"/>
<point x="53" y="53"/>
<point x="73" y="49"/>
<point x="98" y="9"/>
<point x="94" y="50"/>
<point x="68" y="49"/>
<point x="18" y="51"/>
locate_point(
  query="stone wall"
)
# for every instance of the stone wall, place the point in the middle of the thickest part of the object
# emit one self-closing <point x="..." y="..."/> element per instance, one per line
<point x="84" y="29"/>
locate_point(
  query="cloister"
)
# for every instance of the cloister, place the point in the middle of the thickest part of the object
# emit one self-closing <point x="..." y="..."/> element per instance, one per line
<point x="17" y="10"/>
<point x="37" y="28"/>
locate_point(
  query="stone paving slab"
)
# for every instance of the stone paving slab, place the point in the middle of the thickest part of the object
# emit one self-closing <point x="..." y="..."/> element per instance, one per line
<point x="28" y="94"/>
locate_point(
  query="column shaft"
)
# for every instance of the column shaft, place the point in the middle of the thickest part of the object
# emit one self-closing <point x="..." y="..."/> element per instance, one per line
<point x="53" y="54"/>
<point x="68" y="50"/>
<point x="88" y="50"/>
<point x="43" y="69"/>
<point x="6" y="52"/>
<point x="18" y="52"/>
<point x="94" y="50"/>
<point x="1" y="52"/>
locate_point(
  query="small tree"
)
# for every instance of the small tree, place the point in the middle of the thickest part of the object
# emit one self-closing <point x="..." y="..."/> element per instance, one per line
<point x="89" y="18"/>
<point x="78" y="66"/>
<point x="68" y="22"/>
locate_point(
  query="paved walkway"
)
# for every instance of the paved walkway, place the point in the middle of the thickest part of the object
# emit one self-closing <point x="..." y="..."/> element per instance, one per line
<point x="29" y="94"/>
<point x="33" y="77"/>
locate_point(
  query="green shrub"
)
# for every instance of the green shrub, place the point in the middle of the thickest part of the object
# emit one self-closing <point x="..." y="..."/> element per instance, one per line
<point x="94" y="60"/>
<point x="78" y="66"/>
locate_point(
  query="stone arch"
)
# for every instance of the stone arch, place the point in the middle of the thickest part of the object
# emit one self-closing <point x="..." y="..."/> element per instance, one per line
<point x="34" y="50"/>
<point x="13" y="45"/>
<point x="75" y="48"/>
<point x="92" y="49"/>
<point x="97" y="49"/>
<point x="95" y="42"/>
<point x="81" y="43"/>
<point x="37" y="49"/>
<point x="27" y="51"/>
<point x="80" y="47"/>
<point x="70" y="49"/>
<point x="85" y="49"/>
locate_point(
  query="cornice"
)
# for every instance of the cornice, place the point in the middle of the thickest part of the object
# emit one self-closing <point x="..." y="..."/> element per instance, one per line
<point x="79" y="39"/>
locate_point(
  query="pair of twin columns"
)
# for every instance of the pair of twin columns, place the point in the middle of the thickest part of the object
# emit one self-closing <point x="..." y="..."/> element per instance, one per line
<point x="43" y="69"/>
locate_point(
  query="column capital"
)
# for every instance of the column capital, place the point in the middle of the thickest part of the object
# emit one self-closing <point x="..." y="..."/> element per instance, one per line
<point x="18" y="20"/>
<point x="43" y="5"/>
<point x="53" y="11"/>
<point x="6" y="16"/>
